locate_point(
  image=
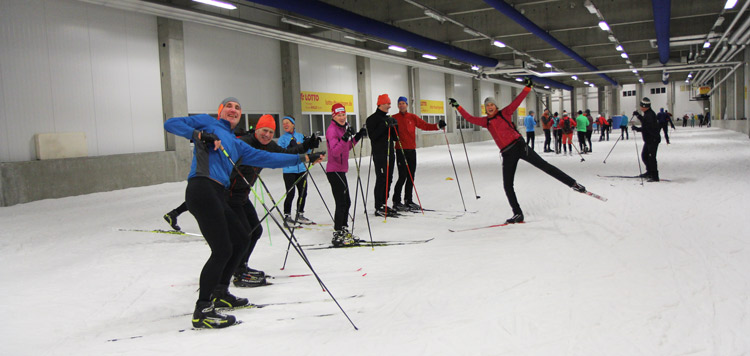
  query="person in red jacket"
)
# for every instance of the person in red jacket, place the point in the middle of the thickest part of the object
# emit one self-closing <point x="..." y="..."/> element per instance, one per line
<point x="603" y="127"/>
<point x="512" y="147"/>
<point x="568" y="126"/>
<point x="406" y="153"/>
<point x="546" y="127"/>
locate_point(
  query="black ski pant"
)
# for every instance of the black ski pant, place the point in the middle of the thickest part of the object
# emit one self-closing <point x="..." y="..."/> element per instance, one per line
<point x="289" y="179"/>
<point x="519" y="151"/>
<point x="588" y="138"/>
<point x="222" y="229"/>
<point x="665" y="128"/>
<point x="383" y="165"/>
<point x="340" y="190"/>
<point x="406" y="160"/>
<point x="582" y="140"/>
<point x="558" y="141"/>
<point x="251" y="223"/>
<point x="181" y="209"/>
<point x="530" y="138"/>
<point x="624" y="132"/>
<point x="648" y="155"/>
<point x="547" y="139"/>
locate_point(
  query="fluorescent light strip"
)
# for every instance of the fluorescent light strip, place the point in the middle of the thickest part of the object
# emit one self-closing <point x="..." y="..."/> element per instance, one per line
<point x="295" y="23"/>
<point x="498" y="44"/>
<point x="603" y="25"/>
<point x="397" y="48"/>
<point x="730" y="4"/>
<point x="216" y="3"/>
<point x="428" y="56"/>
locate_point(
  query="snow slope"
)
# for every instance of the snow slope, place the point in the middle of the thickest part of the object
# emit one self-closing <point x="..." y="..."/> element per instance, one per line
<point x="659" y="269"/>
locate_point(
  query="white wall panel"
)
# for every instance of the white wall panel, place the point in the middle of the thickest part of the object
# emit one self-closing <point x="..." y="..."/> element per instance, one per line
<point x="505" y="96"/>
<point x="221" y="63"/>
<point x="328" y="72"/>
<point x="683" y="105"/>
<point x="486" y="89"/>
<point x="388" y="78"/>
<point x="431" y="86"/>
<point x="628" y="103"/>
<point x="68" y="66"/>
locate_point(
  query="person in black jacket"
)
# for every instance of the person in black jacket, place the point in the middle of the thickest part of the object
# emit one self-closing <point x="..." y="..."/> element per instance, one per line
<point x="383" y="132"/>
<point x="651" y="137"/>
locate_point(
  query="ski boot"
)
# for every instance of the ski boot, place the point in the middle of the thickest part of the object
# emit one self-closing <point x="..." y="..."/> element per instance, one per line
<point x="171" y="219"/>
<point x="206" y="316"/>
<point x="342" y="238"/>
<point x="301" y="219"/>
<point x="221" y="298"/>
<point x="516" y="218"/>
<point x="579" y="188"/>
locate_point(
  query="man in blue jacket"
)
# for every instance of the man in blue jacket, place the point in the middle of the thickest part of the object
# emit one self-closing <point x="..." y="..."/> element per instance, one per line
<point x="530" y="123"/>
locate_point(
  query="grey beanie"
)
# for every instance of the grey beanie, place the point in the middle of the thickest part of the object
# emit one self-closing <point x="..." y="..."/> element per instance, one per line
<point x="531" y="112"/>
<point x="228" y="99"/>
<point x="490" y="100"/>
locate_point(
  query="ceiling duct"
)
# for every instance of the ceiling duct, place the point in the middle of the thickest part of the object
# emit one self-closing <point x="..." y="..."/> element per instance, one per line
<point x="662" y="14"/>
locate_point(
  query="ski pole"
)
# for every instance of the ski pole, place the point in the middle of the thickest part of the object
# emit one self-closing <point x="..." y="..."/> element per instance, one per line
<point x="387" y="172"/>
<point x="574" y="146"/>
<point x="613" y="146"/>
<point x="296" y="246"/>
<point x="411" y="176"/>
<point x="635" y="139"/>
<point x="467" y="159"/>
<point x="299" y="204"/>
<point x="364" y="201"/>
<point x="454" y="168"/>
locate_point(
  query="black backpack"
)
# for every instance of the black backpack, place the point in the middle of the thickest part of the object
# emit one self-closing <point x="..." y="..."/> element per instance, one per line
<point x="566" y="125"/>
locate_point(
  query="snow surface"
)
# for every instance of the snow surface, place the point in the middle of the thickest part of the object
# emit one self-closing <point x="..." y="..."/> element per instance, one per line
<point x="659" y="269"/>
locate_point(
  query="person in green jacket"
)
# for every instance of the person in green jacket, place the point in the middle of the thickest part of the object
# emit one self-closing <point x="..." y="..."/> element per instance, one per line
<point x="581" y="122"/>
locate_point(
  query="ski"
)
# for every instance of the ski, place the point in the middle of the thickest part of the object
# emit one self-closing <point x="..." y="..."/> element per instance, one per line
<point x="483" y="227"/>
<point x="594" y="195"/>
<point x="364" y="243"/>
<point x="160" y="231"/>
<point x="631" y="177"/>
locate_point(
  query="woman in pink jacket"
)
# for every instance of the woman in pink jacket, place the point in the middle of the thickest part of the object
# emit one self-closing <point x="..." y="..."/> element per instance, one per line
<point x="512" y="147"/>
<point x="340" y="138"/>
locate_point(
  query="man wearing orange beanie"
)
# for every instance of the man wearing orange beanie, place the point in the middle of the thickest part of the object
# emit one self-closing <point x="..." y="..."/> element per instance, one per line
<point x="383" y="132"/>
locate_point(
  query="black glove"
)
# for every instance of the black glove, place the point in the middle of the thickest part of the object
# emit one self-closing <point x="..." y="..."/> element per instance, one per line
<point x="442" y="124"/>
<point x="528" y="83"/>
<point x="347" y="134"/>
<point x="362" y="133"/>
<point x="208" y="138"/>
<point x="391" y="122"/>
<point x="635" y="128"/>
<point x="312" y="157"/>
<point x="311" y="142"/>
<point x="452" y="102"/>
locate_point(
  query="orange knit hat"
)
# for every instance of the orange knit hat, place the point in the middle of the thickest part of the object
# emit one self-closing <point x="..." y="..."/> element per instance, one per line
<point x="383" y="99"/>
<point x="266" y="121"/>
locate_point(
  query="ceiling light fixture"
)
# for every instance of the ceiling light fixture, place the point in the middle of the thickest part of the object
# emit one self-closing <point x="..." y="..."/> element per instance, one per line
<point x="612" y="38"/>
<point x="295" y="22"/>
<point x="574" y="77"/>
<point x="498" y="44"/>
<point x="619" y="48"/>
<point x="547" y="65"/>
<point x="624" y="55"/>
<point x="690" y="75"/>
<point x="428" y="56"/>
<point x="590" y="6"/>
<point x="587" y="83"/>
<point x="434" y="15"/>
<point x="603" y="25"/>
<point x="355" y="38"/>
<point x="519" y="79"/>
<point x="474" y="67"/>
<point x="640" y="80"/>
<point x="730" y="4"/>
<point x="454" y="63"/>
<point x="220" y="4"/>
<point x="397" y="48"/>
<point x="706" y="44"/>
<point x="546" y="87"/>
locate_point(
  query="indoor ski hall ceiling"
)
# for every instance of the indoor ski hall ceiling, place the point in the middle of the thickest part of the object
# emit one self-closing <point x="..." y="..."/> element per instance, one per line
<point x="462" y="33"/>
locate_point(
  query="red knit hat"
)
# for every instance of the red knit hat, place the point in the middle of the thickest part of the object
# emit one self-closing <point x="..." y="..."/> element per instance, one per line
<point x="337" y="108"/>
<point x="383" y="99"/>
<point x="266" y="121"/>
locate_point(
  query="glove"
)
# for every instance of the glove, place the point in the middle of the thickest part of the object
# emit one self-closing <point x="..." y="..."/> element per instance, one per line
<point x="313" y="157"/>
<point x="362" y="133"/>
<point x="208" y="138"/>
<point x="347" y="134"/>
<point x="391" y="122"/>
<point x="635" y="128"/>
<point x="311" y="142"/>
<point x="452" y="102"/>
<point x="528" y="83"/>
<point x="442" y="124"/>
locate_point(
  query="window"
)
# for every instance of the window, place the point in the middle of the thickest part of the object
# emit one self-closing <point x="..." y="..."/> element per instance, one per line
<point x="658" y="90"/>
<point x="319" y="122"/>
<point x="628" y="93"/>
<point x="433" y="119"/>
<point x="461" y="123"/>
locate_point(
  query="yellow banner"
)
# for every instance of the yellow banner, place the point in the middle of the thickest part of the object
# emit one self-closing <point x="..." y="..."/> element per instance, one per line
<point x="521" y="112"/>
<point x="432" y="107"/>
<point x="484" y="112"/>
<point x="704" y="90"/>
<point x="322" y="102"/>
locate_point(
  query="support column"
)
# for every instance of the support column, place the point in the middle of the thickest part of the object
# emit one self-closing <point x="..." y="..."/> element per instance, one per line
<point x="573" y="102"/>
<point x="513" y="94"/>
<point x="173" y="82"/>
<point x="290" y="85"/>
<point x="415" y="94"/>
<point x="739" y="89"/>
<point x="364" y="88"/>
<point x="601" y="100"/>
<point x="615" y="100"/>
<point x="450" y="89"/>
<point x="730" y="86"/>
<point x="476" y="96"/>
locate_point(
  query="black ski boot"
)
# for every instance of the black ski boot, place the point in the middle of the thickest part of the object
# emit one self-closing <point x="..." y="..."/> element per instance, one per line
<point x="342" y="238"/>
<point x="654" y="177"/>
<point x="516" y="218"/>
<point x="171" y="219"/>
<point x="206" y="316"/>
<point x="223" y="299"/>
